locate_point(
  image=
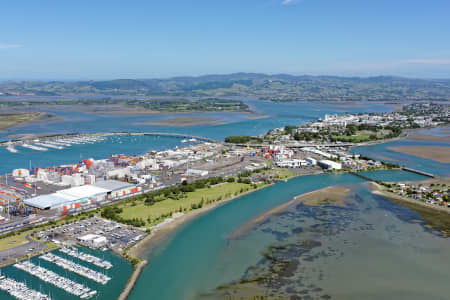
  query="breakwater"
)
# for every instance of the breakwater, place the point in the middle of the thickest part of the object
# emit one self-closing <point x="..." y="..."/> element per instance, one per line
<point x="418" y="172"/>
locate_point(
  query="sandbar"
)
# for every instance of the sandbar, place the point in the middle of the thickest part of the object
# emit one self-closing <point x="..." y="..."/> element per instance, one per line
<point x="440" y="154"/>
<point x="185" y="121"/>
<point x="428" y="137"/>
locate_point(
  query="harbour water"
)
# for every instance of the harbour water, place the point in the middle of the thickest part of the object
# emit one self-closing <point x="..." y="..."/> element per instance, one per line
<point x="380" y="247"/>
<point x="120" y="272"/>
<point x="115" y="144"/>
<point x="267" y="115"/>
<point x="382" y="152"/>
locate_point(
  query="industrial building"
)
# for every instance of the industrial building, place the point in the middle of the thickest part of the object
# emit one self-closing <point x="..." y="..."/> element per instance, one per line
<point x="83" y="196"/>
<point x="329" y="165"/>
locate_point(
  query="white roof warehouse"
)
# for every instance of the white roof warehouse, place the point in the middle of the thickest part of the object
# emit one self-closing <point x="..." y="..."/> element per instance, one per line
<point x="80" y="196"/>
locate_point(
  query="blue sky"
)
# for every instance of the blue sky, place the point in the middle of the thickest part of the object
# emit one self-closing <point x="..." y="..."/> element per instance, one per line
<point x="146" y="39"/>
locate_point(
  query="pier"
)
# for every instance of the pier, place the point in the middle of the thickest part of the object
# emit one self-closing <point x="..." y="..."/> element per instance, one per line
<point x="76" y="268"/>
<point x="86" y="257"/>
<point x="61" y="282"/>
<point x="178" y="135"/>
<point x="19" y="290"/>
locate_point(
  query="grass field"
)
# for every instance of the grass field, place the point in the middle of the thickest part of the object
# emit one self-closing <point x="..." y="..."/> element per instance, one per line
<point x="13" y="241"/>
<point x="363" y="136"/>
<point x="13" y="119"/>
<point x="280" y="173"/>
<point x="166" y="206"/>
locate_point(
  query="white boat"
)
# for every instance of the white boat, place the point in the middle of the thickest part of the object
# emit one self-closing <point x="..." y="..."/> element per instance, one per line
<point x="50" y="146"/>
<point x="11" y="148"/>
<point x="32" y="147"/>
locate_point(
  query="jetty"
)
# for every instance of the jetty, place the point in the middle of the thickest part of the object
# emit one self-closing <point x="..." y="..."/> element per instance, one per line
<point x="87" y="257"/>
<point x="190" y="137"/>
<point x="76" y="268"/>
<point x="61" y="282"/>
<point x="19" y="290"/>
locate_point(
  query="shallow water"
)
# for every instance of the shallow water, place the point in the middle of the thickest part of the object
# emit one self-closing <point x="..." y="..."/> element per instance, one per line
<point x="201" y="257"/>
<point x="381" y="152"/>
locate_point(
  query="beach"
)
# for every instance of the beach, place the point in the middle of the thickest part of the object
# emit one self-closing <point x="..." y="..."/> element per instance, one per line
<point x="440" y="154"/>
<point x="163" y="232"/>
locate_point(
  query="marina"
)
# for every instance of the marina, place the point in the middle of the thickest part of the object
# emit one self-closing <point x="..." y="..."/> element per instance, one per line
<point x="20" y="290"/>
<point x="58" y="143"/>
<point x="33" y="147"/>
<point x="61" y="282"/>
<point x="76" y="268"/>
<point x="87" y="257"/>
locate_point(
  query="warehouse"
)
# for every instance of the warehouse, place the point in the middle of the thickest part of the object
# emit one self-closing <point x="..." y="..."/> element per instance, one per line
<point x="117" y="188"/>
<point x="82" y="196"/>
<point x="329" y="165"/>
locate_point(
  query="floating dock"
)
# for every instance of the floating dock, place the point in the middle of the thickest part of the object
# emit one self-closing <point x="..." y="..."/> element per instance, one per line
<point x="76" y="268"/>
<point x="19" y="290"/>
<point x="51" y="277"/>
<point x="87" y="257"/>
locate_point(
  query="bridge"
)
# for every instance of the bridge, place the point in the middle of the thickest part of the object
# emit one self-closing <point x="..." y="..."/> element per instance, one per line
<point x="178" y="135"/>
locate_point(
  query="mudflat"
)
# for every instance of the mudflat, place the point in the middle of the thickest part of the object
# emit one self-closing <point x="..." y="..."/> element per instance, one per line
<point x="21" y="118"/>
<point x="428" y="137"/>
<point x="334" y="195"/>
<point x="440" y="154"/>
<point x="185" y="121"/>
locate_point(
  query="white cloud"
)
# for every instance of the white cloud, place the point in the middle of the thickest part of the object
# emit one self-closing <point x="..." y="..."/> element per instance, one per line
<point x="437" y="61"/>
<point x="10" y="46"/>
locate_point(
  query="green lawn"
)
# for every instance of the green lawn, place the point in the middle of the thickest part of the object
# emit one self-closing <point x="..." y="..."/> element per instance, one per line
<point x="166" y="206"/>
<point x="13" y="241"/>
<point x="280" y="173"/>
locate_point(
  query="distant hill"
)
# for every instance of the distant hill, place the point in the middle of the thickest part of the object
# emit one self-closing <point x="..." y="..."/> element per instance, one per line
<point x="280" y="87"/>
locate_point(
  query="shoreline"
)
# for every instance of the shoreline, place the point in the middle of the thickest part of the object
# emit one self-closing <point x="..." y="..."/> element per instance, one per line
<point x="158" y="236"/>
<point x="436" y="217"/>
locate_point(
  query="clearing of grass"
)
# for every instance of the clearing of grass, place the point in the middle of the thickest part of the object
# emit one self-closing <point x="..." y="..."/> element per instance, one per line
<point x="13" y="241"/>
<point x="192" y="199"/>
<point x="280" y="173"/>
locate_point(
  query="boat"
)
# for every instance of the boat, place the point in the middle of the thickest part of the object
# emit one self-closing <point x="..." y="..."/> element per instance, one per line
<point x="32" y="147"/>
<point x="11" y="148"/>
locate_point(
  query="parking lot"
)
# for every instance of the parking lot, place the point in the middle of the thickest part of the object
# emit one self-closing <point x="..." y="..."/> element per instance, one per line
<point x="118" y="236"/>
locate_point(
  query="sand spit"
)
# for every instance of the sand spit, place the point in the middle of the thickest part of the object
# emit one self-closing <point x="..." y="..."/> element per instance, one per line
<point x="440" y="154"/>
<point x="185" y="121"/>
<point x="428" y="137"/>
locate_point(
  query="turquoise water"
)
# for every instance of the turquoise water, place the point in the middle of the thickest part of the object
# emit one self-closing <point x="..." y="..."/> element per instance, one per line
<point x="275" y="115"/>
<point x="381" y="152"/>
<point x="394" y="175"/>
<point x="201" y="256"/>
<point x="116" y="144"/>
<point x="120" y="273"/>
